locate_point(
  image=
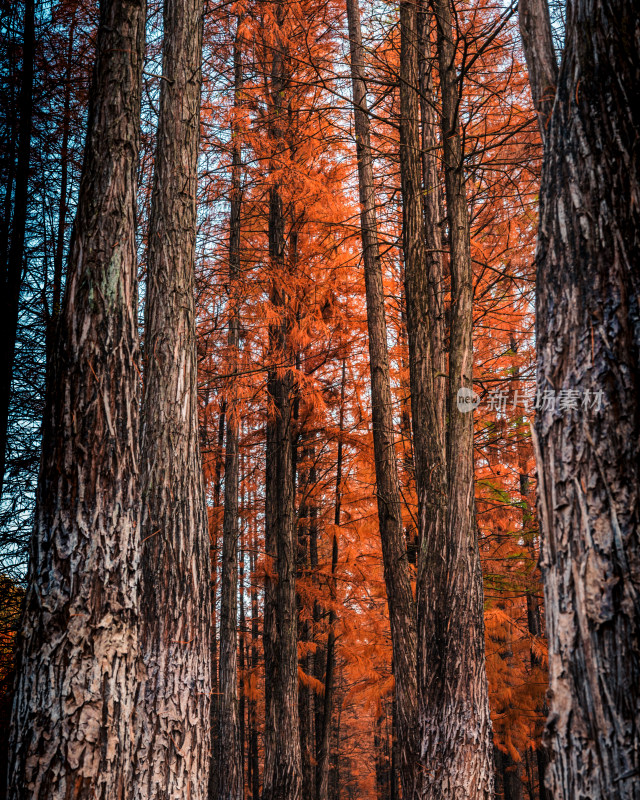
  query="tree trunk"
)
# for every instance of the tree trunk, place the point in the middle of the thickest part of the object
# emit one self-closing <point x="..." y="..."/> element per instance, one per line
<point x="282" y="758"/>
<point x="15" y="261"/>
<point x="173" y="737"/>
<point x="537" y="43"/>
<point x="77" y="656"/>
<point x="587" y="452"/>
<point x="396" y="565"/>
<point x="432" y="205"/>
<point x="455" y="727"/>
<point x="231" y="783"/>
<point x="253" y="705"/>
<point x="214" y="539"/>
<point x="324" y="734"/>
<point x="282" y="769"/>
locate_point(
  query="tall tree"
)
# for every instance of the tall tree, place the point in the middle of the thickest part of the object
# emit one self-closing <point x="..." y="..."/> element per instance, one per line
<point x="74" y="700"/>
<point x="173" y="735"/>
<point x="396" y="564"/>
<point x="588" y="338"/>
<point x="455" y="726"/>
<point x="282" y="758"/>
<point x="231" y="783"/>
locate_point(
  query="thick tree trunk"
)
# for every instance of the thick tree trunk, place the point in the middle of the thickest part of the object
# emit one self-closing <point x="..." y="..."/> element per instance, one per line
<point x="455" y="727"/>
<point x="77" y="656"/>
<point x="396" y="565"/>
<point x="588" y="331"/>
<point x="173" y="737"/>
<point x="15" y="261"/>
<point x="231" y="783"/>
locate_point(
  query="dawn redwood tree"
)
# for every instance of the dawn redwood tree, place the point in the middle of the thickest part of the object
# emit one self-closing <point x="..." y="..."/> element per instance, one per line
<point x="282" y="754"/>
<point x="77" y="655"/>
<point x="588" y="338"/>
<point x="229" y="762"/>
<point x="455" y="727"/>
<point x="173" y="732"/>
<point x="396" y="565"/>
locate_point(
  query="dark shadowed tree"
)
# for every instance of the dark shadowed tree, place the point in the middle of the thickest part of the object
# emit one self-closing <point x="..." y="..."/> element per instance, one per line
<point x="15" y="229"/>
<point x="588" y="329"/>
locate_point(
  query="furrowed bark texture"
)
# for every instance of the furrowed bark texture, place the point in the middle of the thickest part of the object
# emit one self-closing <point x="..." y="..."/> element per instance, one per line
<point x="231" y="784"/>
<point x="71" y="735"/>
<point x="282" y="756"/>
<point x="588" y="330"/>
<point x="396" y="564"/>
<point x="173" y="736"/>
<point x="455" y="727"/>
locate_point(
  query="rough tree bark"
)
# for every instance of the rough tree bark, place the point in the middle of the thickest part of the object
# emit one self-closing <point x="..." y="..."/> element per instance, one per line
<point x="12" y="278"/>
<point x="231" y="783"/>
<point x="282" y="756"/>
<point x="77" y="655"/>
<point x="455" y="727"/>
<point x="172" y="734"/>
<point x="588" y="331"/>
<point x="396" y="564"/>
